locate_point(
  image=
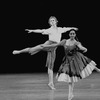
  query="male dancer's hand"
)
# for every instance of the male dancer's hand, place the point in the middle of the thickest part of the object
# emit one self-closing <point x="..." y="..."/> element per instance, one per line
<point x="85" y="50"/>
<point x="75" y="28"/>
<point x="29" y="31"/>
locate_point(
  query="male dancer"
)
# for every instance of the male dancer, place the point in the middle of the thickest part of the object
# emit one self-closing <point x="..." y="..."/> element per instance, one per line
<point x="54" y="34"/>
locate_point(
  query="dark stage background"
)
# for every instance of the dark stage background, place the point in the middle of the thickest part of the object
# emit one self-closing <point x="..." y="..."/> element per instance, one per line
<point x="19" y="16"/>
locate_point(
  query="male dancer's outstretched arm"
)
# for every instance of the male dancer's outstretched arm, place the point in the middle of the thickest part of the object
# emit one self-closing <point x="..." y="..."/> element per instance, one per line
<point x="36" y="31"/>
<point x="70" y="28"/>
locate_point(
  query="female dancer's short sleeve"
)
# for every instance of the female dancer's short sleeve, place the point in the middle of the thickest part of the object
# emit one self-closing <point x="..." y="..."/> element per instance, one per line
<point x="78" y="43"/>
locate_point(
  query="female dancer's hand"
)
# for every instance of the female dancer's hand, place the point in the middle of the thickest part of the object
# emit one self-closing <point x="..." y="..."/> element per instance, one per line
<point x="85" y="50"/>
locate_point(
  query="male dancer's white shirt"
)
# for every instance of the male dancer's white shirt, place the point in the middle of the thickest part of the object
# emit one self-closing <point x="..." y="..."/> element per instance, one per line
<point x="55" y="35"/>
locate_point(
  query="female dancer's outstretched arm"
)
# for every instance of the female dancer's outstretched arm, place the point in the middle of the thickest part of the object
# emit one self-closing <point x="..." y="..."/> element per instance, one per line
<point x="85" y="50"/>
<point x="81" y="47"/>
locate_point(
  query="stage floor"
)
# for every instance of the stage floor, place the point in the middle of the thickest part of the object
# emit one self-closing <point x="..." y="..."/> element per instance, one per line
<point x="34" y="87"/>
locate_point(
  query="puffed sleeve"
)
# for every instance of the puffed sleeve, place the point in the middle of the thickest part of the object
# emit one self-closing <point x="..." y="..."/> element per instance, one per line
<point x="78" y="43"/>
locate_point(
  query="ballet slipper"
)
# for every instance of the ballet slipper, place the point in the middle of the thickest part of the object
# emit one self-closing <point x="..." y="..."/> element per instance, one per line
<point x="70" y="97"/>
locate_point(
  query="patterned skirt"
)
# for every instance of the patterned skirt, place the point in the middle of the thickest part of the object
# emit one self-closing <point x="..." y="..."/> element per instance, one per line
<point x="75" y="67"/>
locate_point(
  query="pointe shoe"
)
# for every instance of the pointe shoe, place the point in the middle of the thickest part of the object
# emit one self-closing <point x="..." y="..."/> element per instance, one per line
<point x="16" y="52"/>
<point x="69" y="97"/>
<point x="51" y="86"/>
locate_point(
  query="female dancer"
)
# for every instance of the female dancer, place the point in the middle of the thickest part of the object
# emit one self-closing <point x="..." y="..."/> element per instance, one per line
<point x="75" y="65"/>
<point x="54" y="34"/>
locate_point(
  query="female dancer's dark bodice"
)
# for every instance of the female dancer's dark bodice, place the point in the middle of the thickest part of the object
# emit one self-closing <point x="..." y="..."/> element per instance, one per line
<point x="70" y="50"/>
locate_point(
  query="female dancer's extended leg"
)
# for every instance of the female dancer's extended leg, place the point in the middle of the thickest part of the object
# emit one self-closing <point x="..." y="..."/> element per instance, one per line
<point x="96" y="68"/>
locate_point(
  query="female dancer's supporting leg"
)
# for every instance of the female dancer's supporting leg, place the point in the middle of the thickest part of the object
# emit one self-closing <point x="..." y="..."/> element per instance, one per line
<point x="71" y="86"/>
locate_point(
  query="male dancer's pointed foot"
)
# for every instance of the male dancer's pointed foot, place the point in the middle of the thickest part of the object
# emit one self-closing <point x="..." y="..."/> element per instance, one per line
<point x="16" y="52"/>
<point x="51" y="85"/>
